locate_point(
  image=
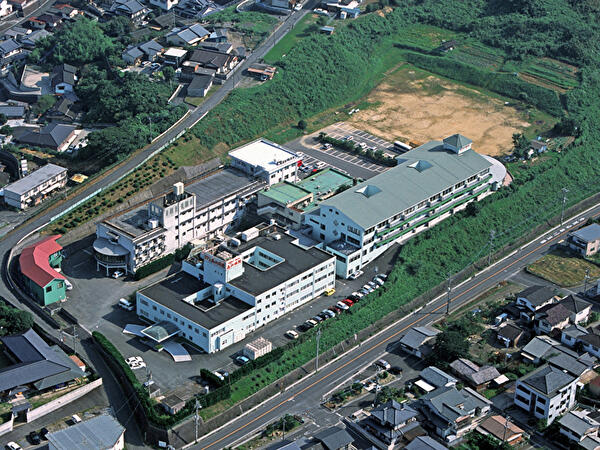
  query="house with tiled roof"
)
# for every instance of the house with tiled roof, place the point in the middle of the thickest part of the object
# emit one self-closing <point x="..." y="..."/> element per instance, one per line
<point x="36" y="364"/>
<point x="546" y="393"/>
<point x="38" y="263"/>
<point x="502" y="429"/>
<point x="551" y="317"/>
<point x="586" y="240"/>
<point x="187" y="36"/>
<point x="534" y="298"/>
<point x="581" y="427"/>
<point x="580" y="309"/>
<point x="478" y="377"/>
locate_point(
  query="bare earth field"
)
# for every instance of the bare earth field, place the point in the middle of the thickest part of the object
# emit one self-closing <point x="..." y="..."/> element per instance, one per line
<point x="415" y="106"/>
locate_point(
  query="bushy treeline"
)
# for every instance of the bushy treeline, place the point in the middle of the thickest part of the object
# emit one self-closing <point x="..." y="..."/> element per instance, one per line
<point x="502" y="83"/>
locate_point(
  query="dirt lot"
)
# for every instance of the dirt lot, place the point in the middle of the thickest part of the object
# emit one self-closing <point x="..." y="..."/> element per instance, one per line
<point x="415" y="106"/>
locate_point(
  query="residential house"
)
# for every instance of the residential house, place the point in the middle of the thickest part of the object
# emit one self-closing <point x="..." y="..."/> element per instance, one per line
<point x="262" y="71"/>
<point x="221" y="62"/>
<point x="502" y="429"/>
<point x="390" y="425"/>
<point x="5" y="8"/>
<point x="546" y="393"/>
<point x="65" y="11"/>
<point x="200" y="85"/>
<point x="453" y="413"/>
<point x="174" y="56"/>
<point x="187" y="36"/>
<point x="550" y="318"/>
<point x="218" y="35"/>
<point x="586" y="240"/>
<point x="538" y="146"/>
<point x="35" y="364"/>
<point x="335" y="438"/>
<point x="510" y="335"/>
<point x="164" y="21"/>
<point x="579" y="366"/>
<point x="478" y="377"/>
<point x="38" y="263"/>
<point x="418" y="341"/>
<point x="16" y="33"/>
<point x="536" y="348"/>
<point x="222" y="47"/>
<point x="132" y="55"/>
<point x="581" y="427"/>
<point x="35" y="24"/>
<point x="64" y="78"/>
<point x="62" y="111"/>
<point x="580" y="309"/>
<point x="56" y="136"/>
<point x="29" y="41"/>
<point x="594" y="386"/>
<point x="13" y="111"/>
<point x="425" y="443"/>
<point x="590" y="342"/>
<point x="100" y="432"/>
<point x="35" y="187"/>
<point x="52" y="22"/>
<point x="533" y="298"/>
<point x="437" y="378"/>
<point x="152" y="50"/>
<point x="10" y="50"/>
<point x="571" y="333"/>
<point x="132" y="9"/>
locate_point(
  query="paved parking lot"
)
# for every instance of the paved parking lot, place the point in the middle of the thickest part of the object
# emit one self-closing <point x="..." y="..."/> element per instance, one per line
<point x="93" y="301"/>
<point x="350" y="163"/>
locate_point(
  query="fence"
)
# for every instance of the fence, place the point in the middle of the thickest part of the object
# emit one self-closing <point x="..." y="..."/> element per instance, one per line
<point x="62" y="401"/>
<point x="7" y="426"/>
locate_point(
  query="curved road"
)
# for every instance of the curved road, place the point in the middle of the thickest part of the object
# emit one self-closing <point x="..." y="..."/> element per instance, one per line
<point x="307" y="394"/>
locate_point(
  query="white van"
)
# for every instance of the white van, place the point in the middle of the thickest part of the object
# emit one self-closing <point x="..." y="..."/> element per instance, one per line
<point x="75" y="419"/>
<point x="126" y="304"/>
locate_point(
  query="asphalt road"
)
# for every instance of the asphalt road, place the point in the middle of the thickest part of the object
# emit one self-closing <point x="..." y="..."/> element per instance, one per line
<point x="306" y="395"/>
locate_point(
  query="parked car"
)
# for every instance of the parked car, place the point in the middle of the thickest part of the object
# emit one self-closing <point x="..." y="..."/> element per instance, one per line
<point x="329" y="313"/>
<point x="395" y="370"/>
<point x="68" y="285"/>
<point x="373" y="285"/>
<point x="44" y="433"/>
<point x="379" y="282"/>
<point x="336" y="309"/>
<point x="323" y="316"/>
<point x="118" y="274"/>
<point x="218" y="375"/>
<point x="13" y="446"/>
<point x="383" y="364"/>
<point x="75" y="419"/>
<point x="292" y="334"/>
<point x="356" y="296"/>
<point x="126" y="304"/>
<point x="383" y="276"/>
<point x="318" y="319"/>
<point x="242" y="360"/>
<point x="342" y="306"/>
<point x="148" y="383"/>
<point x="34" y="438"/>
<point x="329" y="292"/>
<point x="355" y="275"/>
<point x="348" y="302"/>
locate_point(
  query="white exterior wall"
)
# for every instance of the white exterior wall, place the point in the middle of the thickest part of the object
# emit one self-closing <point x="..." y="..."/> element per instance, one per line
<point x="283" y="172"/>
<point x="591" y="349"/>
<point x="336" y="223"/>
<point x="5" y="8"/>
<point x="546" y="408"/>
<point x="20" y="200"/>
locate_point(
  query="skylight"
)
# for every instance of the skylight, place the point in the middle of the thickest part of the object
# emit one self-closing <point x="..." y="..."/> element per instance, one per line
<point x="368" y="190"/>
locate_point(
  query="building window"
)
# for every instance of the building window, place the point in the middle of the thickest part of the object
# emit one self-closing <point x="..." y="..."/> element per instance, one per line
<point x="49" y="289"/>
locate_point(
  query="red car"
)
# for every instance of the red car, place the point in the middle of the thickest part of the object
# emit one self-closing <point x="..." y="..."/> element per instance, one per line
<point x="348" y="302"/>
<point x="336" y="309"/>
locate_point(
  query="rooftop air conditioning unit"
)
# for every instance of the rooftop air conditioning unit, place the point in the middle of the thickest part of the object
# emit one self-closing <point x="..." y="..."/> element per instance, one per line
<point x="277" y="237"/>
<point x="152" y="224"/>
<point x="178" y="188"/>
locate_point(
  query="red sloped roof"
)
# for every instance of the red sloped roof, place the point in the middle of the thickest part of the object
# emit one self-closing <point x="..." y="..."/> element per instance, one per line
<point x="34" y="261"/>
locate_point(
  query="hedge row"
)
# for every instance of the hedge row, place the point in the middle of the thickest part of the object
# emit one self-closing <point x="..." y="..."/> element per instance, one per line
<point x="502" y="83"/>
<point x="154" y="266"/>
<point x="377" y="156"/>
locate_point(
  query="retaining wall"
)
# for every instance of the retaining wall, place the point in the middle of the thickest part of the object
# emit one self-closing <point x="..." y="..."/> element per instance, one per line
<point x="62" y="401"/>
<point x="7" y="426"/>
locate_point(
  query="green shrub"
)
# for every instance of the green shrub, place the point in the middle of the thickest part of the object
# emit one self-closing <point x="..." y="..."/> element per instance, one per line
<point x="154" y="266"/>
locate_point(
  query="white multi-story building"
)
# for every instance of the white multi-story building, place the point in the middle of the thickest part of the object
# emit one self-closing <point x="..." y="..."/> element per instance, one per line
<point x="546" y="393"/>
<point x="5" y="8"/>
<point x="429" y="184"/>
<point x="204" y="209"/>
<point x="222" y="295"/>
<point x="267" y="160"/>
<point x="35" y="187"/>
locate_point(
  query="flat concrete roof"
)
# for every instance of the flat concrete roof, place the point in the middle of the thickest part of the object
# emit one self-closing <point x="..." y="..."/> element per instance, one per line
<point x="263" y="153"/>
<point x="171" y="291"/>
<point x="219" y="185"/>
<point x="34" y="179"/>
<point x="296" y="261"/>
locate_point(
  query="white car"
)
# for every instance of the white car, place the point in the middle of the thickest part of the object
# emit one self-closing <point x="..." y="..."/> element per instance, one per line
<point x="138" y="365"/>
<point x="355" y="275"/>
<point x="298" y="7"/>
<point x="342" y="306"/>
<point x="13" y="446"/>
<point x="118" y="274"/>
<point x="68" y="285"/>
<point x="292" y="334"/>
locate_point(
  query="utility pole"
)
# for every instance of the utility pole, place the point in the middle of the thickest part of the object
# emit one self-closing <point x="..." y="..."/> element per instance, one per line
<point x="283" y="438"/>
<point x="564" y="202"/>
<point x="492" y="236"/>
<point x="196" y="419"/>
<point x="74" y="338"/>
<point x="448" y="291"/>
<point x="586" y="278"/>
<point x="505" y="427"/>
<point x="318" y="335"/>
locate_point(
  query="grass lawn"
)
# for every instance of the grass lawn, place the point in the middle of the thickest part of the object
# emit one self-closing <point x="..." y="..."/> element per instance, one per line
<point x="564" y="269"/>
<point x="302" y="29"/>
<point x="197" y="101"/>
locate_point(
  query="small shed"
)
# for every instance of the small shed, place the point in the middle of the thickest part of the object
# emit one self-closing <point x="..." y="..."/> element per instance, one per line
<point x="258" y="348"/>
<point x="327" y="30"/>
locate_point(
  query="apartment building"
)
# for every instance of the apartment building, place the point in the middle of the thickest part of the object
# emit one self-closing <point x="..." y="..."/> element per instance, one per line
<point x="429" y="184"/>
<point x="225" y="293"/>
<point x="202" y="210"/>
<point x="546" y="393"/>
<point x="266" y="160"/>
<point x="35" y="187"/>
<point x="586" y="240"/>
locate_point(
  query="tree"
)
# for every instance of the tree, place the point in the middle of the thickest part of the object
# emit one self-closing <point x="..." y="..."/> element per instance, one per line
<point x="520" y="144"/>
<point x="3" y="119"/>
<point x="14" y="320"/>
<point x="450" y="345"/>
<point x="473" y="209"/>
<point x="169" y="74"/>
<point x="44" y="103"/>
<point x="6" y="130"/>
<point x="302" y="124"/>
<point x="78" y="43"/>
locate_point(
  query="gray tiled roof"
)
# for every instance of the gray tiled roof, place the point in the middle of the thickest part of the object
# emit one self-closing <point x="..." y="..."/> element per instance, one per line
<point x="393" y="414"/>
<point x="334" y="438"/>
<point x="569" y="363"/>
<point x="578" y="422"/>
<point x="416" y="336"/>
<point x="8" y="46"/>
<point x="458" y="140"/>
<point x="554" y="314"/>
<point x="588" y="234"/>
<point x="101" y="432"/>
<point x="421" y="173"/>
<point x="35" y="178"/>
<point x="574" y="303"/>
<point x="437" y="377"/>
<point x="539" y="345"/>
<point x="537" y="295"/>
<point x="451" y="403"/>
<point x="548" y="379"/>
<point x="425" y="443"/>
<point x="510" y="331"/>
